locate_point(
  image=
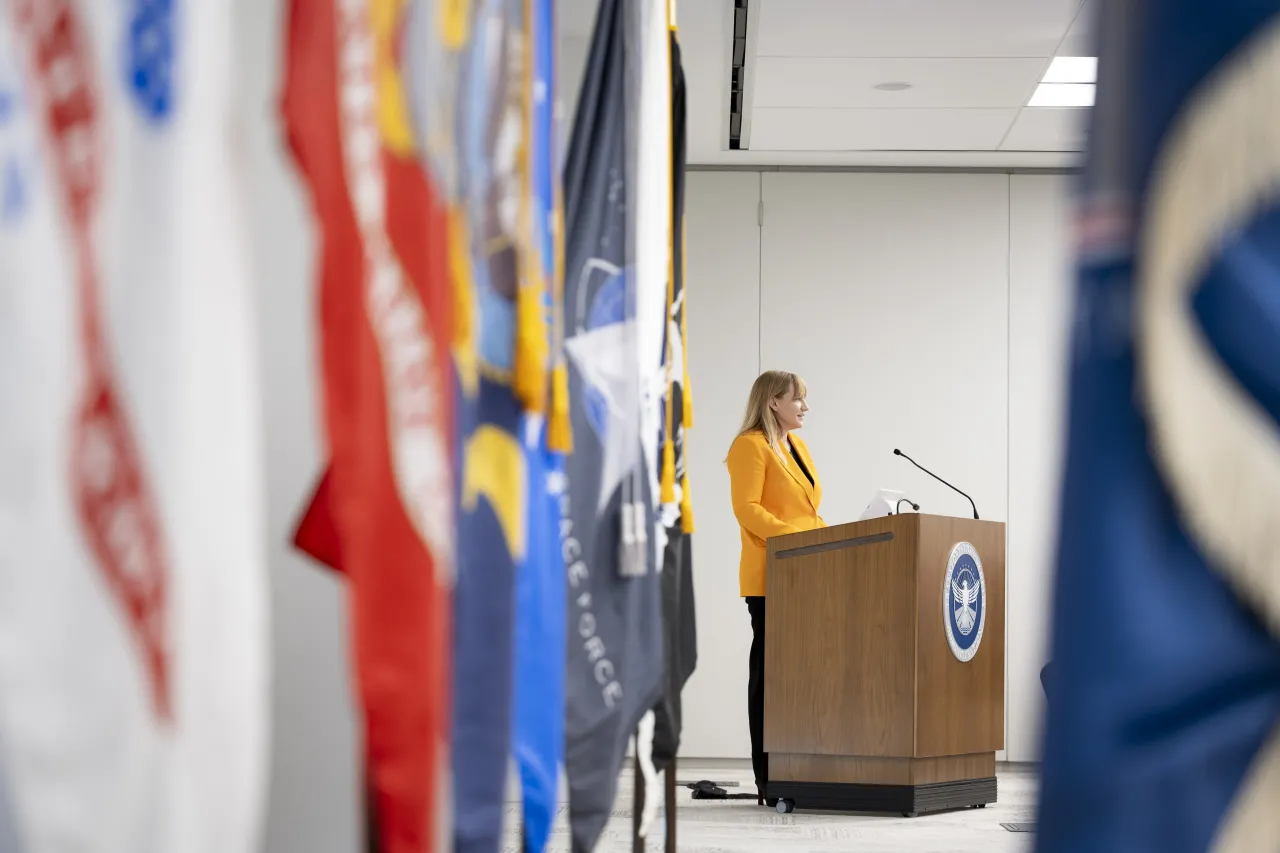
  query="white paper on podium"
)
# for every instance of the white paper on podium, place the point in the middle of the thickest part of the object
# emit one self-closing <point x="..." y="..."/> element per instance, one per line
<point x="884" y="503"/>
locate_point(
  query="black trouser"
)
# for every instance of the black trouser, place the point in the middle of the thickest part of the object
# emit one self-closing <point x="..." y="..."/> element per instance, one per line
<point x="755" y="692"/>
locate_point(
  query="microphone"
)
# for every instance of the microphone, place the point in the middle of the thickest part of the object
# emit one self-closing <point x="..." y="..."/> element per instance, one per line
<point x="897" y="452"/>
<point x="912" y="504"/>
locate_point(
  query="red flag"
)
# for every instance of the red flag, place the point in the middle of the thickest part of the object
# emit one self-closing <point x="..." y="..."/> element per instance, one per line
<point x="383" y="511"/>
<point x="317" y="534"/>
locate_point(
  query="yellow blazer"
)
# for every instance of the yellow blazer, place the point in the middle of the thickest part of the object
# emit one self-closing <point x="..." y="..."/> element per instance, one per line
<point x="771" y="497"/>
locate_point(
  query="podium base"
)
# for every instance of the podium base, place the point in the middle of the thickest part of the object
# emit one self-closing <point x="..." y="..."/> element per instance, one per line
<point x="906" y="800"/>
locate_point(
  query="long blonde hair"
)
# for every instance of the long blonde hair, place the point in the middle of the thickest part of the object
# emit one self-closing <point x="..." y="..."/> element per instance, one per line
<point x="760" y="417"/>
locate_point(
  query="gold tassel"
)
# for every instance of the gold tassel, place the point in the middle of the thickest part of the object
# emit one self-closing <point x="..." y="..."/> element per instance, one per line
<point x="464" y="308"/>
<point x="559" y="425"/>
<point x="454" y="22"/>
<point x="531" y="350"/>
<point x="529" y="367"/>
<point x="668" y="471"/>
<point x="686" y="505"/>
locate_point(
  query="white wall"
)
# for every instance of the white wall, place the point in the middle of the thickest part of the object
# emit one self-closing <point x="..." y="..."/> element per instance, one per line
<point x="313" y="802"/>
<point x="724" y="321"/>
<point x="1040" y="310"/>
<point x="888" y="294"/>
<point x="925" y="311"/>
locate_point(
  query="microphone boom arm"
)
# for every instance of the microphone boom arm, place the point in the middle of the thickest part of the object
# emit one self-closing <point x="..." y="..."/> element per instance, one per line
<point x="897" y="452"/>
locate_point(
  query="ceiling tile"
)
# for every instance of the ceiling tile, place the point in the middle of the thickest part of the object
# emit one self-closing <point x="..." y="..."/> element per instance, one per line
<point x="1047" y="129"/>
<point x="1079" y="39"/>
<point x="705" y="35"/>
<point x="936" y="83"/>
<point x="878" y="130"/>
<point x="912" y="28"/>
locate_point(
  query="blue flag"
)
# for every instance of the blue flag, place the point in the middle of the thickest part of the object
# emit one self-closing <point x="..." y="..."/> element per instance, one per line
<point x="492" y="534"/>
<point x="540" y="642"/>
<point x="1165" y="686"/>
<point x="538" y="738"/>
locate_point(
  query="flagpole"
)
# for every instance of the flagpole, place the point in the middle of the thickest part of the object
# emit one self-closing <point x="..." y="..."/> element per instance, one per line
<point x="372" y="841"/>
<point x="671" y="806"/>
<point x="637" y="843"/>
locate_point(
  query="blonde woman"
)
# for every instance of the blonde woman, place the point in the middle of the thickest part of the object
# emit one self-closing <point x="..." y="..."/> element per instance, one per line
<point x="775" y="490"/>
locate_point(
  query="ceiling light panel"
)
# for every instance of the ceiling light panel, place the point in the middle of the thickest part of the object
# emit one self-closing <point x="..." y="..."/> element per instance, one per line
<point x="1063" y="95"/>
<point x="1072" y="69"/>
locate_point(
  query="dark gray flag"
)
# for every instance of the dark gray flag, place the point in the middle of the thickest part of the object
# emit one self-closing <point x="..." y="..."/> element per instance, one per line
<point x="615" y="653"/>
<point x="678" y="615"/>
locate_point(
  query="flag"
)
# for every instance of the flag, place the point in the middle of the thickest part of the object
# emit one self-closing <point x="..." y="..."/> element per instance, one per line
<point x="1162" y="718"/>
<point x="538" y="735"/>
<point x="538" y="738"/>
<point x="678" y="612"/>
<point x="615" y="288"/>
<point x="133" y="601"/>
<point x="501" y="367"/>
<point x="383" y="509"/>
<point x="661" y="734"/>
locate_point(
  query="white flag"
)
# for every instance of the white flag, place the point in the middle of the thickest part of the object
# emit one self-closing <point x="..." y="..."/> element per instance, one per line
<point x="133" y="661"/>
<point x="653" y="269"/>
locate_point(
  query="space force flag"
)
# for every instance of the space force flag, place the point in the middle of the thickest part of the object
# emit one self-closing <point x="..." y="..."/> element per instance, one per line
<point x="1162" y="722"/>
<point x="133" y="608"/>
<point x="615" y="289"/>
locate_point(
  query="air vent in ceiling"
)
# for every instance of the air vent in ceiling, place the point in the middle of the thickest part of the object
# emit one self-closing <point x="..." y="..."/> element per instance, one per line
<point x="738" y="73"/>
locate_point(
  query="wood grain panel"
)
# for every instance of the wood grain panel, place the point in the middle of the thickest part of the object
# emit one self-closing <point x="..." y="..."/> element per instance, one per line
<point x="873" y="770"/>
<point x="839" y="656"/>
<point x="951" y="768"/>
<point x="959" y="705"/>
<point x="869" y="770"/>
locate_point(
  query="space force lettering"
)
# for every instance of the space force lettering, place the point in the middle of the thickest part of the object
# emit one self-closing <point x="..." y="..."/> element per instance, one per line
<point x="583" y="621"/>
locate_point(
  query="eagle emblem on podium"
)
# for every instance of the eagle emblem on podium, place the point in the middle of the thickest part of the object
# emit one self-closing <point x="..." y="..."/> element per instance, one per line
<point x="964" y="601"/>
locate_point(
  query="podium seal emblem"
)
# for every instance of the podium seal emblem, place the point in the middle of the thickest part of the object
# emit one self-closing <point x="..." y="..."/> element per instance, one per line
<point x="964" y="601"/>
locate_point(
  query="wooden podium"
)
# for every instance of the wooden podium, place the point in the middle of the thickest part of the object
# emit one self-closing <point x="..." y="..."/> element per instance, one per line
<point x="866" y="705"/>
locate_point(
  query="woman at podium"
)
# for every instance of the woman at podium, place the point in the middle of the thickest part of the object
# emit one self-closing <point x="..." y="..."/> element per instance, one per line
<point x="775" y="490"/>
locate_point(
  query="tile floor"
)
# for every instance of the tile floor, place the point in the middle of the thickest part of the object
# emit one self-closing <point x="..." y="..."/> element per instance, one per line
<point x="740" y="826"/>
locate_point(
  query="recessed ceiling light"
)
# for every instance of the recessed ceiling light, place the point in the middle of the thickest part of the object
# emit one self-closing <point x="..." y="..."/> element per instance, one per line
<point x="1072" y="69"/>
<point x="1063" y="95"/>
<point x="892" y="87"/>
